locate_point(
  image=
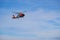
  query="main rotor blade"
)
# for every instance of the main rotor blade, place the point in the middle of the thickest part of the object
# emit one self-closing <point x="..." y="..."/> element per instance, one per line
<point x="16" y="12"/>
<point x="24" y="11"/>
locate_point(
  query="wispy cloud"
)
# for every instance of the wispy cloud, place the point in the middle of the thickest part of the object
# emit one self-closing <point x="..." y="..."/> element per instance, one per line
<point x="43" y="35"/>
<point x="36" y="25"/>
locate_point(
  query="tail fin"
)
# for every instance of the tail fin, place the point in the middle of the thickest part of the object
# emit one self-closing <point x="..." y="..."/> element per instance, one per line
<point x="13" y="17"/>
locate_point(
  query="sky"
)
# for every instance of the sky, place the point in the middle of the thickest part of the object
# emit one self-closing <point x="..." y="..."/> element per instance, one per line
<point x="41" y="21"/>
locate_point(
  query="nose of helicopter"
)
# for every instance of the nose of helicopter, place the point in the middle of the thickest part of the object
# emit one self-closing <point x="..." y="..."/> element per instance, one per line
<point x="22" y="15"/>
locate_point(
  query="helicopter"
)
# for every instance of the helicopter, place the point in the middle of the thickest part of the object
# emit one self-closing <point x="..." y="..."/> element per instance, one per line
<point x="19" y="15"/>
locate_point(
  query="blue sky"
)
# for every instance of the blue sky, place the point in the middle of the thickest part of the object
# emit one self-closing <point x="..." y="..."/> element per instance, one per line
<point x="41" y="21"/>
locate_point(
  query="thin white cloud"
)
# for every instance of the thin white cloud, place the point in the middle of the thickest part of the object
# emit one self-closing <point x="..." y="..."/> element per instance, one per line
<point x="32" y="20"/>
<point x="6" y="37"/>
<point x="33" y="23"/>
<point x="39" y="35"/>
